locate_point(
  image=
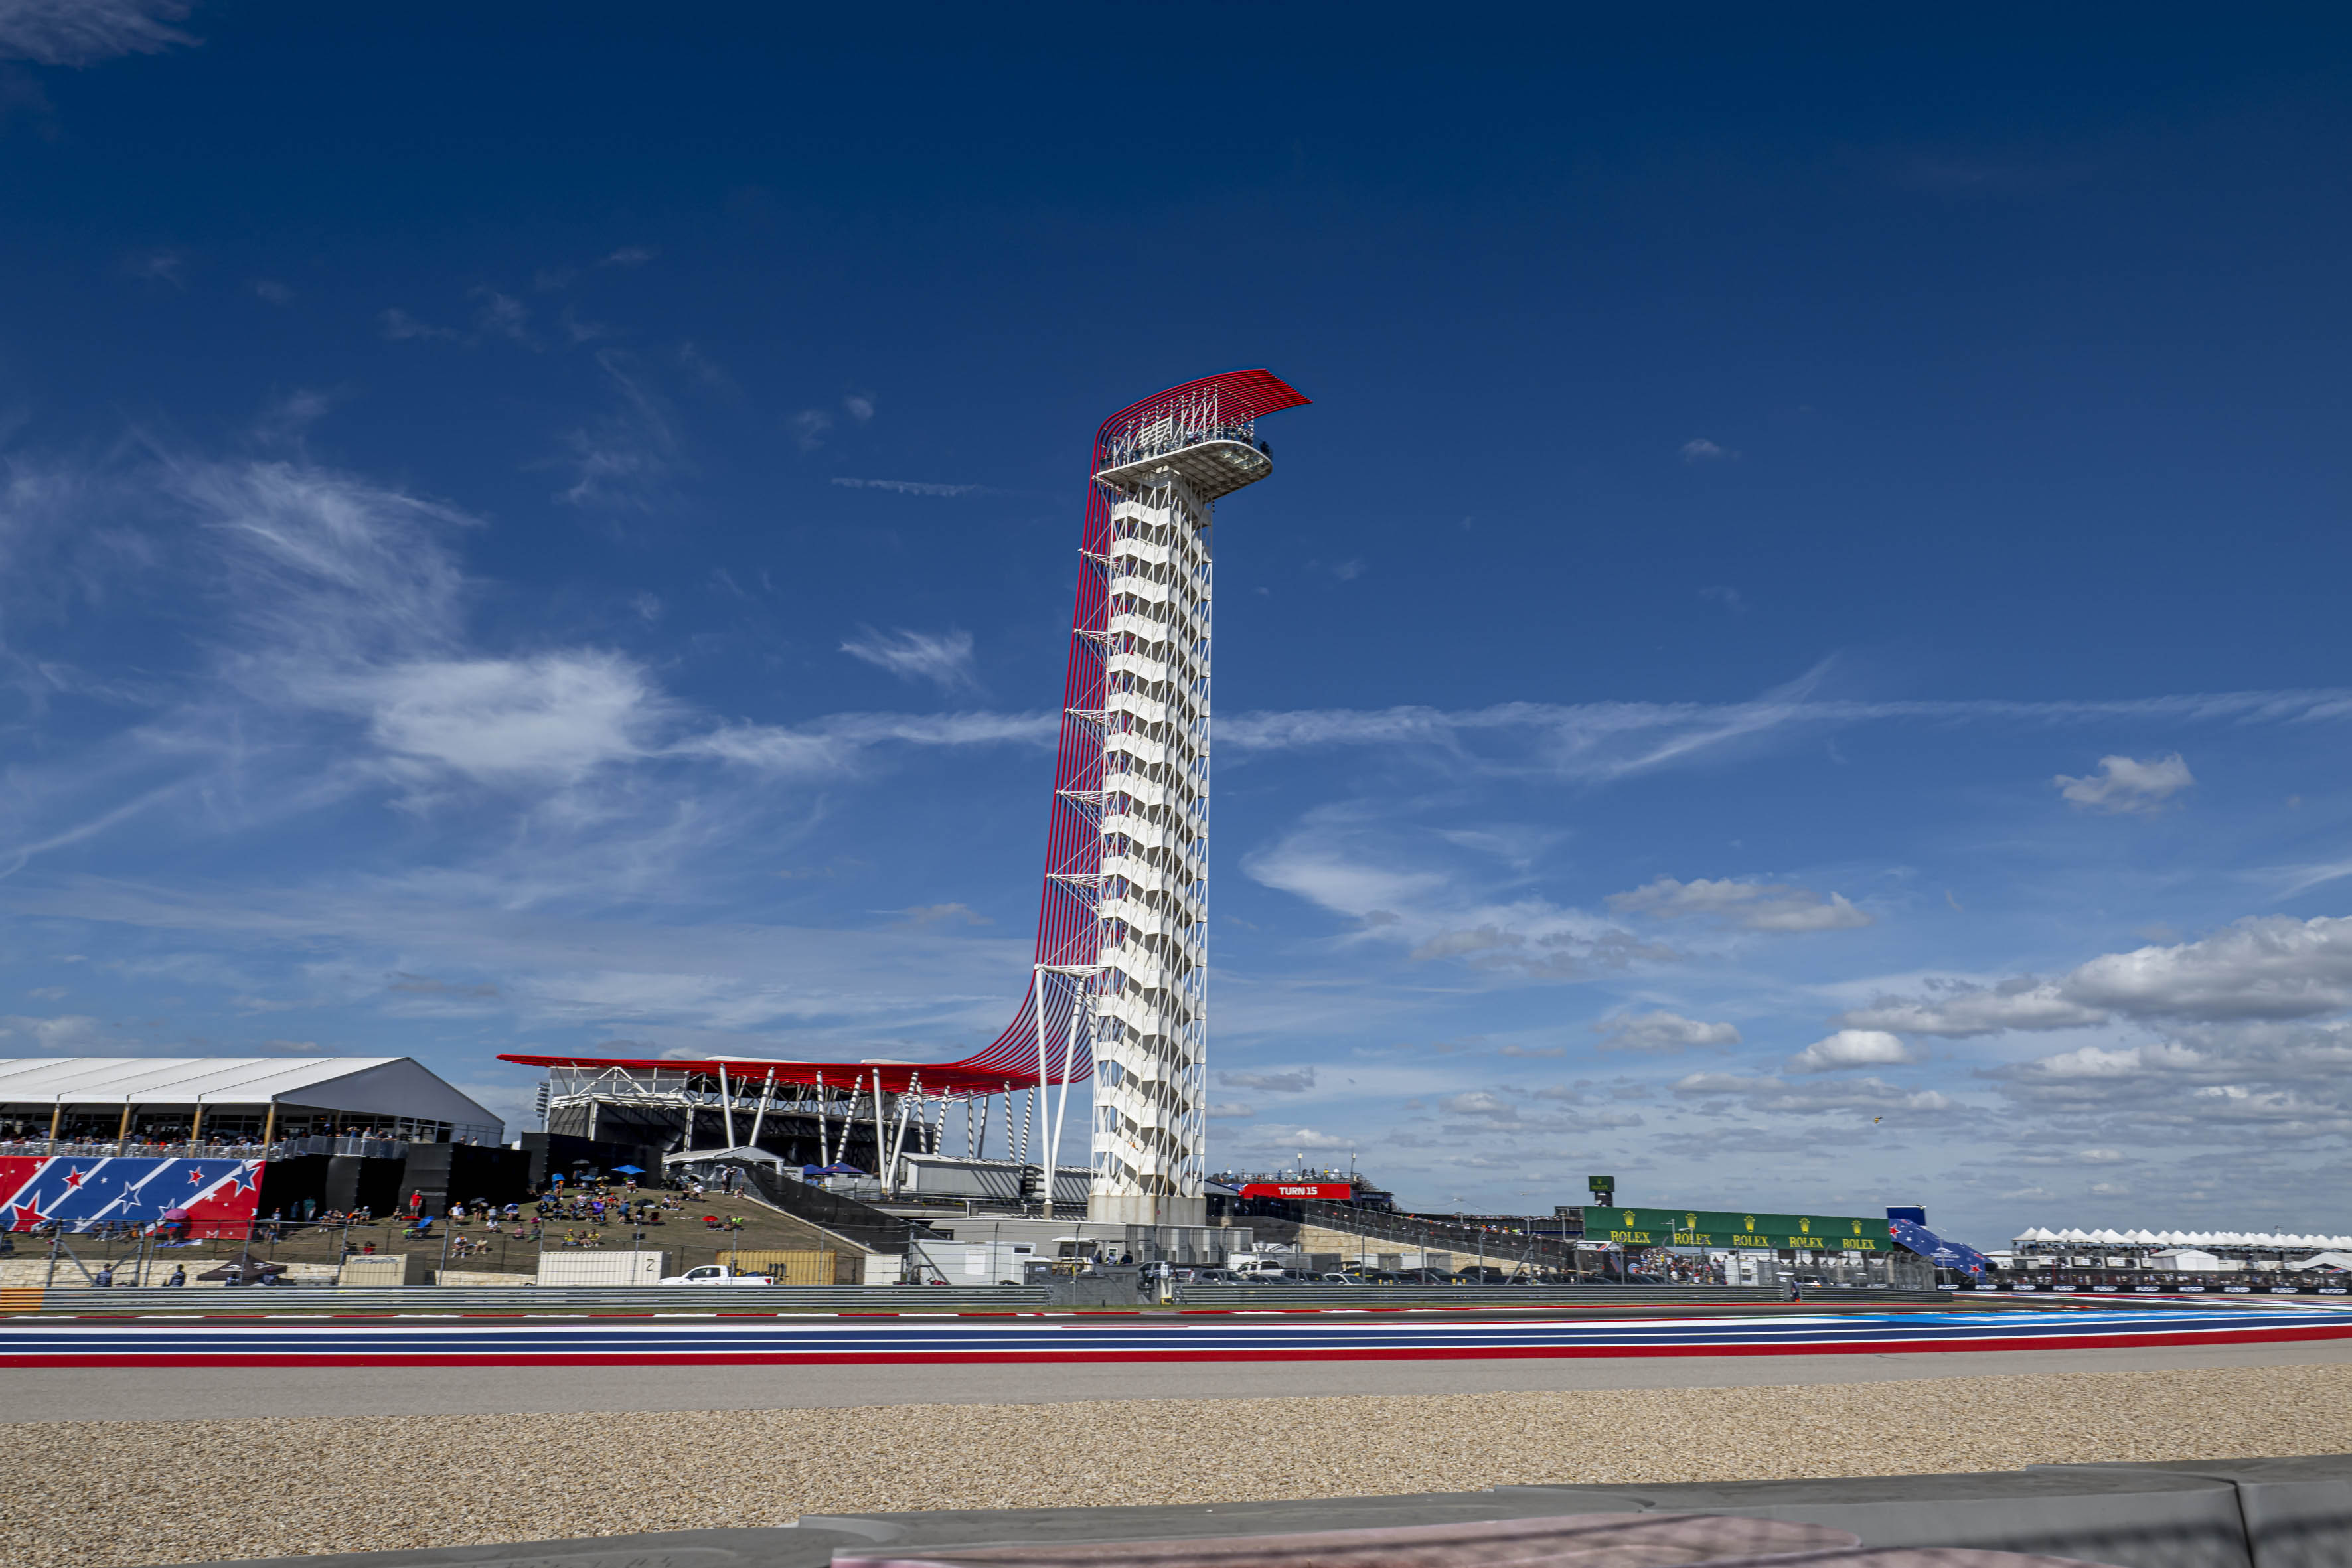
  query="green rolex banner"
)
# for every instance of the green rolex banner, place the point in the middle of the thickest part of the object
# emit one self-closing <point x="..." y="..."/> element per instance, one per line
<point x="1713" y="1227"/>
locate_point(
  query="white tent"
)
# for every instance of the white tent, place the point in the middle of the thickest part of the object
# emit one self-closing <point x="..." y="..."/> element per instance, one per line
<point x="2324" y="1260"/>
<point x="2185" y="1259"/>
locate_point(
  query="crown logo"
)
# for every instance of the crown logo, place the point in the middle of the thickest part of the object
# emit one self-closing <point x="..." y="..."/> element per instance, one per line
<point x="1690" y="1222"/>
<point x="1857" y="1228"/>
<point x="1806" y="1225"/>
<point x="1629" y="1219"/>
<point x="1752" y="1222"/>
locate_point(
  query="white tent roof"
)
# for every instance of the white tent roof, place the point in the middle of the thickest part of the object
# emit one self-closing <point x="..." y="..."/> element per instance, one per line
<point x="2276" y="1241"/>
<point x="379" y="1086"/>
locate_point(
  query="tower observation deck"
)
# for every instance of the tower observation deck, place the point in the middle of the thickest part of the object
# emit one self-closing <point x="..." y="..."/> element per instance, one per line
<point x="1119" y="989"/>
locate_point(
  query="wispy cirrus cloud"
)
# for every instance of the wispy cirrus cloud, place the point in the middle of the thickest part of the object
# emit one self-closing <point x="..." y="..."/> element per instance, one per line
<point x="1742" y="905"/>
<point x="943" y="659"/>
<point x="625" y="457"/>
<point x="84" y="32"/>
<point x="1603" y="741"/>
<point x="833" y="745"/>
<point x="912" y="487"/>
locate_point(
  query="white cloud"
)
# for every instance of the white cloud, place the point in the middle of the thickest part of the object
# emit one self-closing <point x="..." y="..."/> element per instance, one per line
<point x="550" y="719"/>
<point x="908" y="486"/>
<point x="1662" y="1031"/>
<point x="501" y="316"/>
<point x="1229" y="1111"/>
<point x="629" y="256"/>
<point x="1348" y="867"/>
<point x="83" y="32"/>
<point x="1482" y="1103"/>
<point x="1297" y="1081"/>
<point x="2257" y="1086"/>
<point x="835" y="744"/>
<point x="2122" y="1061"/>
<point x="2123" y="784"/>
<point x="1699" y="449"/>
<point x="156" y="267"/>
<point x="859" y="407"/>
<point x="1957" y="1010"/>
<point x="1854" y="1048"/>
<point x="399" y="326"/>
<point x="810" y="426"/>
<point x="1703" y="1084"/>
<point x="2271" y="966"/>
<point x="72" y="1034"/>
<point x="2266" y="967"/>
<point x="951" y="914"/>
<point x="1742" y="905"/>
<point x="943" y="659"/>
<point x="1779" y="1097"/>
<point x="1298" y="1138"/>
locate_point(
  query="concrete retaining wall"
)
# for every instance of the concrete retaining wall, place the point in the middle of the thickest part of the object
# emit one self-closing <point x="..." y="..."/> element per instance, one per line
<point x="2233" y="1514"/>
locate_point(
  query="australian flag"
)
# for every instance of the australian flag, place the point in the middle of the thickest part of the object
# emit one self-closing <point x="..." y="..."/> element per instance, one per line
<point x="211" y="1197"/>
<point x="1944" y="1254"/>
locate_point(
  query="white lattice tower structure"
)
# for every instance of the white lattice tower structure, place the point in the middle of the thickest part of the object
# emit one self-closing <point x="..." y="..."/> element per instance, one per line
<point x="1146" y="1010"/>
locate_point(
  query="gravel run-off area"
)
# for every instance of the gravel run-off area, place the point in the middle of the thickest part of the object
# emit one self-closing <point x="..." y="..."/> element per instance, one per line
<point x="136" y="1492"/>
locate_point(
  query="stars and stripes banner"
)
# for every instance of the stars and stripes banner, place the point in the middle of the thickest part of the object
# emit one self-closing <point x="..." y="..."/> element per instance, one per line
<point x="212" y="1198"/>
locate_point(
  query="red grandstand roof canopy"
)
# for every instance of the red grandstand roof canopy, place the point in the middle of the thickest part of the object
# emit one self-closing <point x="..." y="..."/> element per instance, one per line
<point x="897" y="1078"/>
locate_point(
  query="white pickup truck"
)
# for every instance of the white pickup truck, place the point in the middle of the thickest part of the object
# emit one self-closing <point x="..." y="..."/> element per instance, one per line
<point x="718" y="1274"/>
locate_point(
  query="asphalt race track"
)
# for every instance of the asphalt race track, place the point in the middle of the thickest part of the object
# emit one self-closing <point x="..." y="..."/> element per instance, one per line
<point x="292" y="1341"/>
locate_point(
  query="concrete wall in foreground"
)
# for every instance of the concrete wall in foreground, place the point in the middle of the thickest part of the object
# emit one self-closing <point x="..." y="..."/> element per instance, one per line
<point x="2231" y="1513"/>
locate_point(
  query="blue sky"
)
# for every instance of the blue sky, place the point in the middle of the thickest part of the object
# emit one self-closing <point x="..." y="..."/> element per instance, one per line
<point x="1796" y="657"/>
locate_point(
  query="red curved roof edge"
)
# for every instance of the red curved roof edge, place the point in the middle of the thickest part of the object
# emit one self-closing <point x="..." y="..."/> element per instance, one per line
<point x="897" y="1078"/>
<point x="1254" y="393"/>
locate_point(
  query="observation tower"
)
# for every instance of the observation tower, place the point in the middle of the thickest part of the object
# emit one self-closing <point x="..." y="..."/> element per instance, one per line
<point x="1118" y="988"/>
<point x="1160" y="468"/>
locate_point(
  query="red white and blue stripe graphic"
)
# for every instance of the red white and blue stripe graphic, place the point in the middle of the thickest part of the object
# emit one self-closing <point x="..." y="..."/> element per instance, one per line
<point x="30" y="1341"/>
<point x="213" y="1197"/>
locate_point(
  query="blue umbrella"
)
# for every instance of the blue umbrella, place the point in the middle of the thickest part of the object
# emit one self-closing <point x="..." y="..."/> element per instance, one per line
<point x="630" y="1169"/>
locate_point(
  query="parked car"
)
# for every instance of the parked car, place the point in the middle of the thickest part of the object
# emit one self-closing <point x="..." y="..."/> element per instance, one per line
<point x="718" y="1274"/>
<point x="1480" y="1275"/>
